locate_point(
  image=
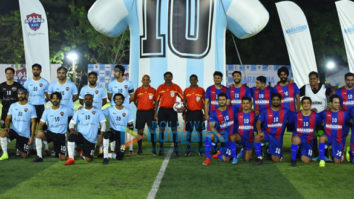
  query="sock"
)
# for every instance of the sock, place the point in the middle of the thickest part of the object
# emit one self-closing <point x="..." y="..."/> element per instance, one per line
<point x="233" y="149"/>
<point x="101" y="148"/>
<point x="258" y="149"/>
<point x="45" y="145"/>
<point x="39" y="147"/>
<point x="140" y="143"/>
<point x="207" y="147"/>
<point x="33" y="145"/>
<point x="200" y="142"/>
<point x="175" y="145"/>
<point x="71" y="149"/>
<point x="112" y="155"/>
<point x="189" y="137"/>
<point x="153" y="141"/>
<point x="3" y="141"/>
<point x="321" y="148"/>
<point x="294" y="149"/>
<point x="113" y="145"/>
<point x="105" y="148"/>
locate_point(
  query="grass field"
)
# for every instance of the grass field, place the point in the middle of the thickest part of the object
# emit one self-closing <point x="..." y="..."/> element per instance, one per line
<point x="184" y="178"/>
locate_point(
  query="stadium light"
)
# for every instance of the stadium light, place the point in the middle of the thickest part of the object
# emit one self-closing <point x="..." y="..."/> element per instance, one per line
<point x="331" y="65"/>
<point x="72" y="56"/>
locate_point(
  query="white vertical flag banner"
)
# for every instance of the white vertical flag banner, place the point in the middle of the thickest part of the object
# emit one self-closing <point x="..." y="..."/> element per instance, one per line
<point x="345" y="11"/>
<point x="298" y="41"/>
<point x="35" y="36"/>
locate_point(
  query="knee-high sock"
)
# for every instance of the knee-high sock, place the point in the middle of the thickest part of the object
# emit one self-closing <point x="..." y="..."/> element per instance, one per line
<point x="233" y="146"/>
<point x="39" y="147"/>
<point x="45" y="145"/>
<point x="322" y="149"/>
<point x="207" y="147"/>
<point x="3" y="141"/>
<point x="71" y="149"/>
<point x="113" y="146"/>
<point x="112" y="155"/>
<point x="258" y="149"/>
<point x="294" y="148"/>
<point x="105" y="148"/>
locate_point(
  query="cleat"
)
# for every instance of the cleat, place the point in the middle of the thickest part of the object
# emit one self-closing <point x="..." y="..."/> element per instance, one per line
<point x="293" y="163"/>
<point x="140" y="152"/>
<point x="38" y="159"/>
<point x="215" y="156"/>
<point x="47" y="153"/>
<point x="347" y="154"/>
<point x="207" y="161"/>
<point x="18" y="153"/>
<point x="131" y="153"/>
<point x="315" y="158"/>
<point x="188" y="154"/>
<point x="32" y="152"/>
<point x="4" y="156"/>
<point x="241" y="154"/>
<point x="326" y="159"/>
<point x="100" y="154"/>
<point x="234" y="161"/>
<point x="105" y="161"/>
<point x="322" y="163"/>
<point x="160" y="153"/>
<point x="154" y="153"/>
<point x="69" y="161"/>
<point x="259" y="161"/>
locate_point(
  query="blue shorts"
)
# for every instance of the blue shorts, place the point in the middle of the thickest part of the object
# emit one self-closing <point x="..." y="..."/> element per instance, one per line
<point x="337" y="148"/>
<point x="246" y="144"/>
<point x="305" y="147"/>
<point x="225" y="151"/>
<point x="275" y="145"/>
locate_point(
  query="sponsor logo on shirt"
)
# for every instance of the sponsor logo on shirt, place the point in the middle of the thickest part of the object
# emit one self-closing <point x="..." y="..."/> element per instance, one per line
<point x="235" y="101"/>
<point x="262" y="101"/>
<point x="288" y="99"/>
<point x="214" y="102"/>
<point x="226" y="124"/>
<point x="302" y="130"/>
<point x="245" y="127"/>
<point x="14" y="89"/>
<point x="276" y="125"/>
<point x="333" y="126"/>
<point x="349" y="103"/>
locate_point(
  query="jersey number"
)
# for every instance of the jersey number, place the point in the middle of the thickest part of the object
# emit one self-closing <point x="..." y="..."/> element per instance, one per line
<point x="189" y="28"/>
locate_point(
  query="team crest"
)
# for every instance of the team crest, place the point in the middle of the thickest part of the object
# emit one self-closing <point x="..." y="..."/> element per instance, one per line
<point x="62" y="113"/>
<point x="93" y="112"/>
<point x="14" y="89"/>
<point x="125" y="86"/>
<point x="150" y="97"/>
<point x="197" y="98"/>
<point x="26" y="109"/>
<point x="96" y="91"/>
<point x="67" y="88"/>
<point x="172" y="94"/>
<point x="34" y="21"/>
<point x="124" y="114"/>
<point x="40" y="85"/>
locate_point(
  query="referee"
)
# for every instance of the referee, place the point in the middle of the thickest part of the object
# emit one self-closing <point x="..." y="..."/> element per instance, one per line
<point x="194" y="101"/>
<point x="8" y="93"/>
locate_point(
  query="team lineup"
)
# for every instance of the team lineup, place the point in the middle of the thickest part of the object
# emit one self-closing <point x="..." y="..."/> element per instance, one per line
<point x="253" y="118"/>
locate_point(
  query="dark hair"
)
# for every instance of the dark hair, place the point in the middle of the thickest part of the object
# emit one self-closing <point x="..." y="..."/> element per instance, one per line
<point x="262" y="79"/>
<point x="333" y="97"/>
<point x="167" y="73"/>
<point x="236" y="71"/>
<point x="313" y="73"/>
<point x="22" y="90"/>
<point x="348" y="75"/>
<point x="194" y="75"/>
<point x="56" y="94"/>
<point x="62" y="68"/>
<point x="118" y="94"/>
<point x="89" y="95"/>
<point x="222" y="95"/>
<point x="217" y="73"/>
<point x="276" y="95"/>
<point x="247" y="99"/>
<point x="92" y="73"/>
<point x="37" y="65"/>
<point x="120" y="68"/>
<point x="306" y="98"/>
<point x="9" y="68"/>
<point x="283" y="69"/>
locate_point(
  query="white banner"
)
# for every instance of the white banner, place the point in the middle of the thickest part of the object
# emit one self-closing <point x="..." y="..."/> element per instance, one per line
<point x="298" y="41"/>
<point x="35" y="36"/>
<point x="345" y="11"/>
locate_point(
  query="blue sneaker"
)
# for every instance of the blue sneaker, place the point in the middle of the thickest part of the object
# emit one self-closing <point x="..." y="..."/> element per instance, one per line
<point x="326" y="159"/>
<point x="315" y="158"/>
<point x="241" y="154"/>
<point x="234" y="161"/>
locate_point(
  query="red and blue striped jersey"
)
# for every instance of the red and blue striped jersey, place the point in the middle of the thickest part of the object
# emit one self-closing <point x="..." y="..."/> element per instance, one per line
<point x="212" y="94"/>
<point x="305" y="126"/>
<point x="274" y="122"/>
<point x="346" y="96"/>
<point x="335" y="124"/>
<point x="288" y="95"/>
<point x="245" y="123"/>
<point x="261" y="98"/>
<point x="236" y="94"/>
<point x="224" y="120"/>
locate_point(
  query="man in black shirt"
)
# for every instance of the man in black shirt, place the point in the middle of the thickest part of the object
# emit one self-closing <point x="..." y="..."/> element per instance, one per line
<point x="8" y="93"/>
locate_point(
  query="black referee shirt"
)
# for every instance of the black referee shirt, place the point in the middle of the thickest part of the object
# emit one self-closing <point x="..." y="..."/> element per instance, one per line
<point x="8" y="93"/>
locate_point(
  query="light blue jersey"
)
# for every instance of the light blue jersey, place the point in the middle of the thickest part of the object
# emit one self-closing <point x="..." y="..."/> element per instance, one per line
<point x="21" y="118"/>
<point x="125" y="88"/>
<point x="88" y="122"/>
<point x="118" y="119"/>
<point x="57" y="120"/>
<point x="36" y="90"/>
<point x="67" y="91"/>
<point x="99" y="93"/>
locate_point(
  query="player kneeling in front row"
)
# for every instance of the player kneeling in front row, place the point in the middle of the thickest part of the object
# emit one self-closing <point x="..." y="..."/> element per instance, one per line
<point x="245" y="122"/>
<point x="306" y="121"/>
<point x="119" y="119"/>
<point x="87" y="121"/>
<point x="23" y="118"/>
<point x="56" y="118"/>
<point x="221" y="123"/>
<point x="336" y="126"/>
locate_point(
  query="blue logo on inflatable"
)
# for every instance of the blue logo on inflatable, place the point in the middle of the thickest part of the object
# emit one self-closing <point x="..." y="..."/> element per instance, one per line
<point x="34" y="21"/>
<point x="296" y="29"/>
<point x="349" y="30"/>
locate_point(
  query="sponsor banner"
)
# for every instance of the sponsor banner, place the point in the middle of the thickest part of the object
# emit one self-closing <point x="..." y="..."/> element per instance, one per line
<point x="105" y="72"/>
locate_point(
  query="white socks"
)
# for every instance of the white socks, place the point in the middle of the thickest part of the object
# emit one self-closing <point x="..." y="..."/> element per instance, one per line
<point x="105" y="148"/>
<point x="45" y="145"/>
<point x="71" y="149"/>
<point x="113" y="146"/>
<point x="39" y="147"/>
<point x="112" y="155"/>
<point x="3" y="142"/>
